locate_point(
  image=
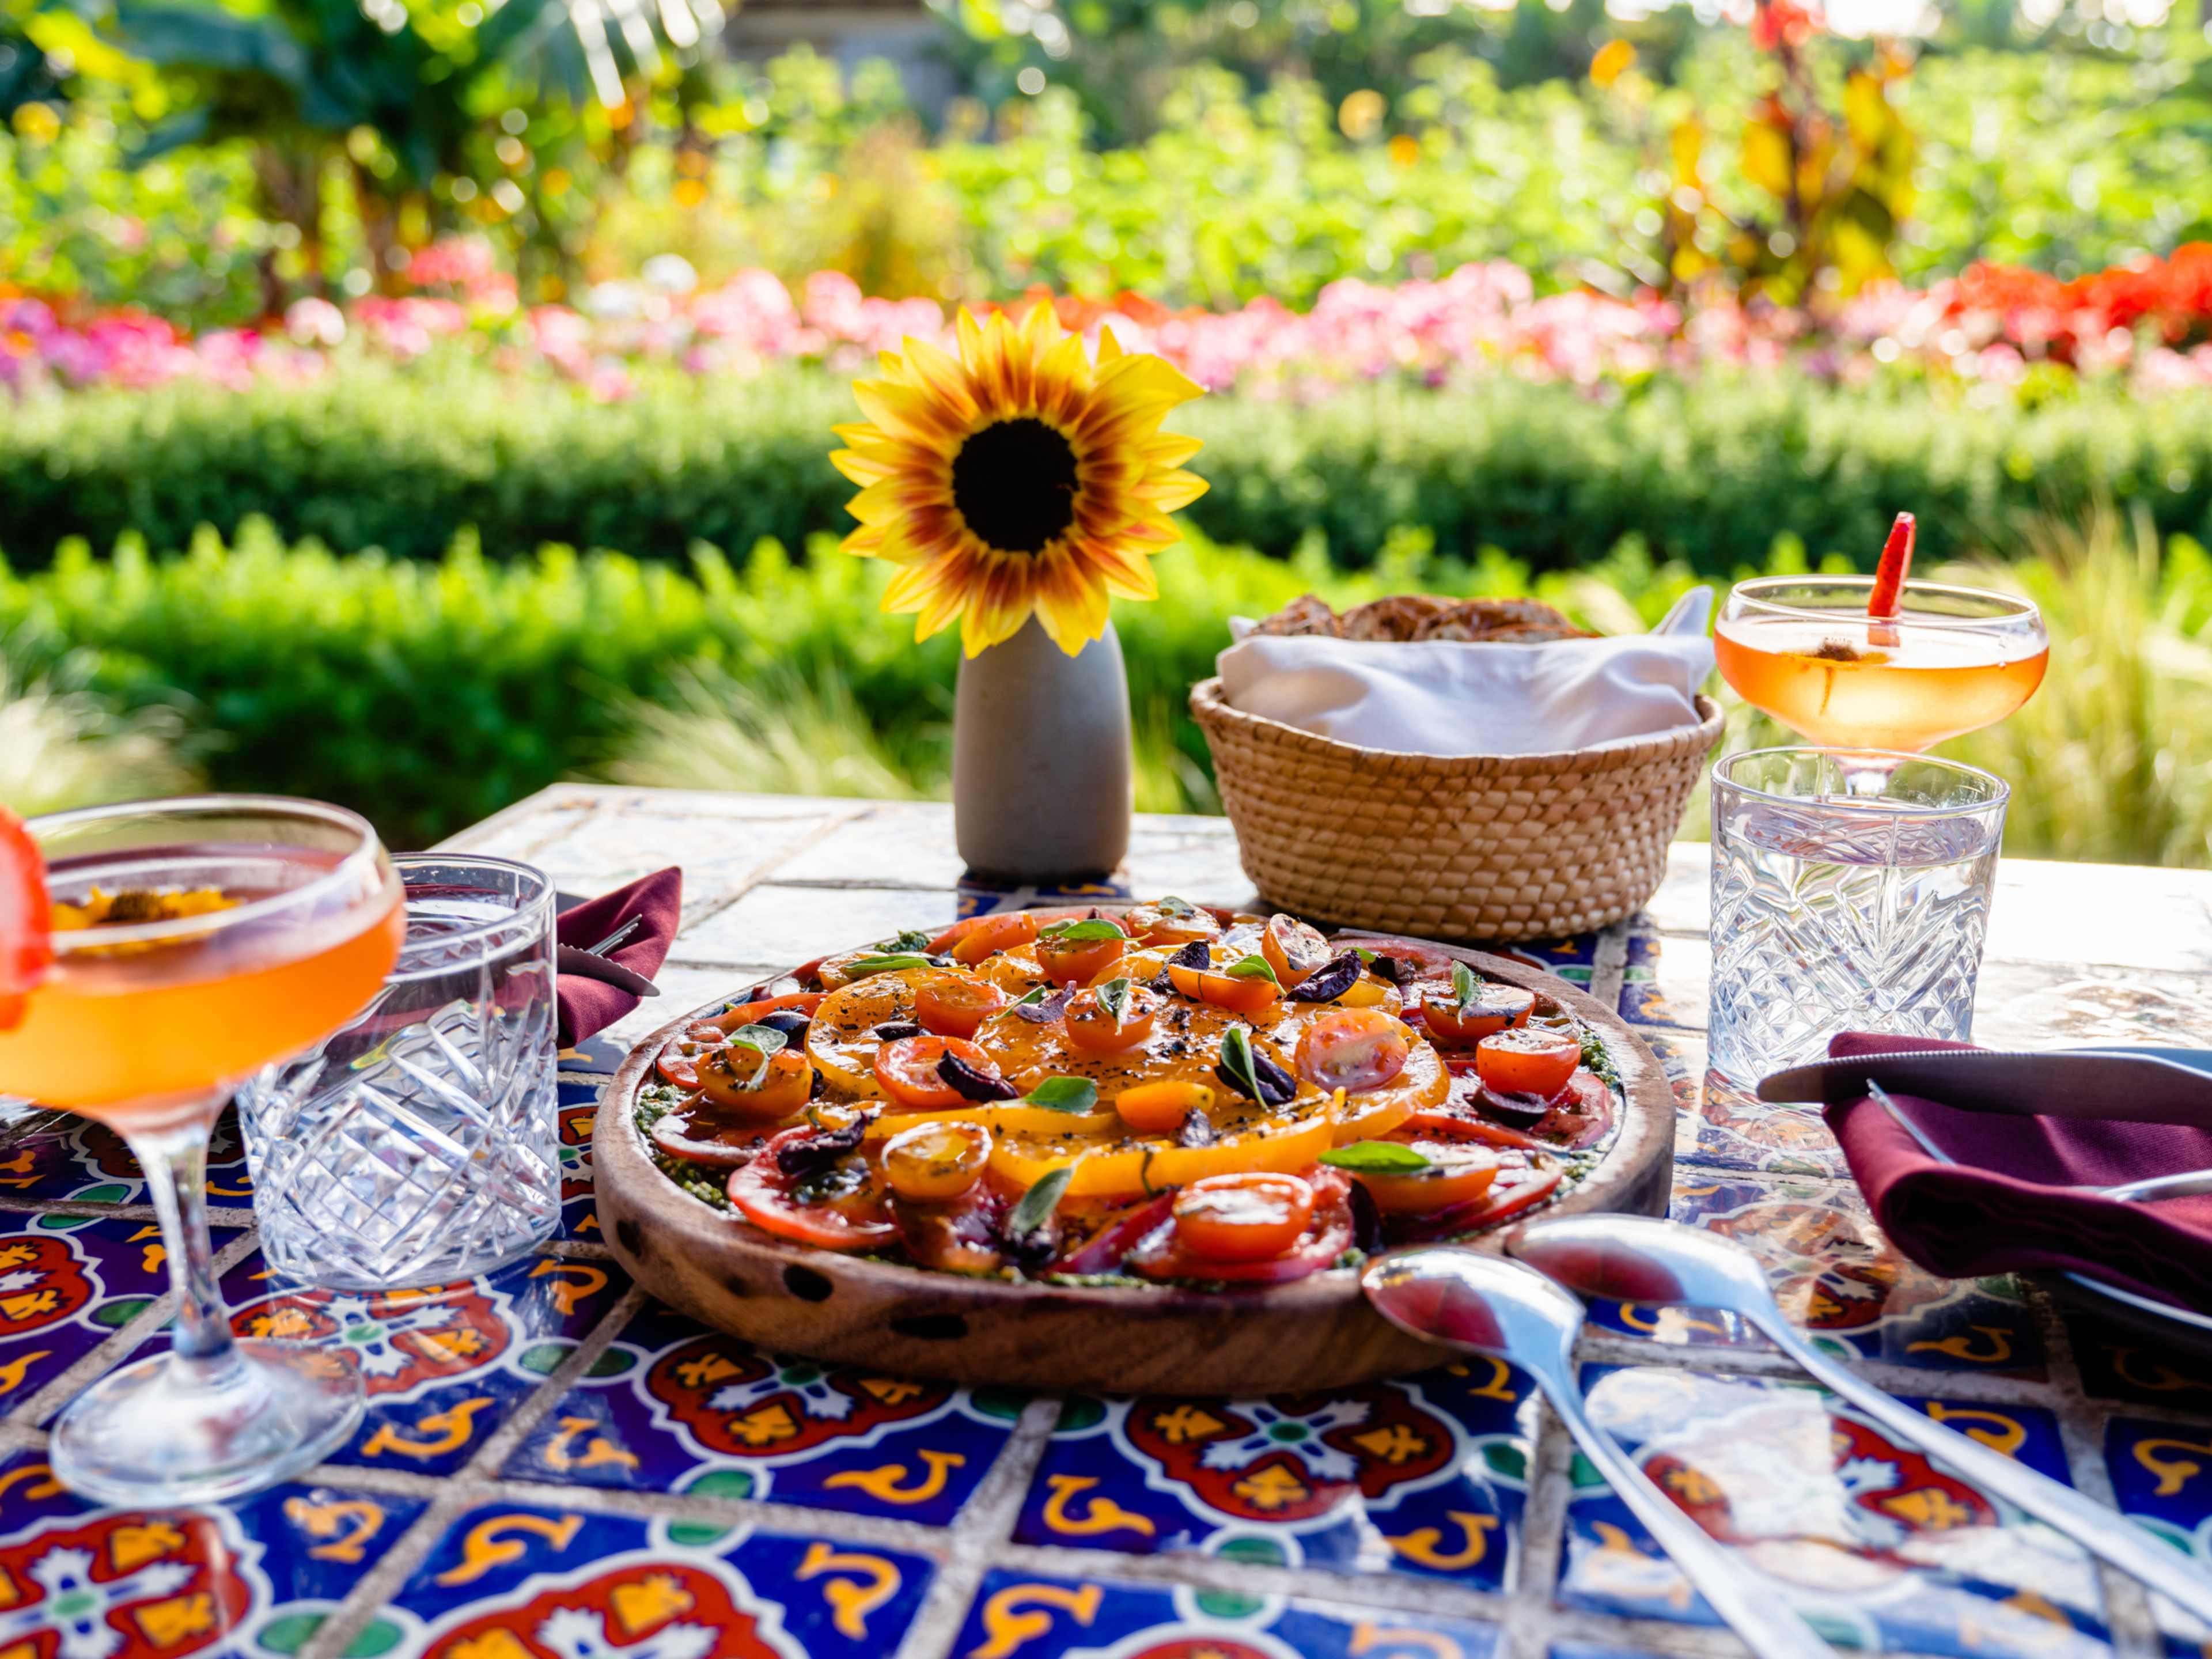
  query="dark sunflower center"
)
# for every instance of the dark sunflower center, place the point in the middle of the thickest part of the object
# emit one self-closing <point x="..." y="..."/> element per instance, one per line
<point x="1014" y="484"/>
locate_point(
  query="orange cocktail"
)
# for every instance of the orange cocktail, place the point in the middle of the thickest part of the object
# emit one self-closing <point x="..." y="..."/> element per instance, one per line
<point x="1952" y="660"/>
<point x="153" y="954"/>
<point x="137" y="1033"/>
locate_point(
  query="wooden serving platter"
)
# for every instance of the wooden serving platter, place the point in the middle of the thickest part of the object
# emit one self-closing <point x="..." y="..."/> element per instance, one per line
<point x="1316" y="1332"/>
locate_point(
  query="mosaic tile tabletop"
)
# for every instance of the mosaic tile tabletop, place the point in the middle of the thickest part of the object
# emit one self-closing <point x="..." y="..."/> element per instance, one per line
<point x="553" y="1467"/>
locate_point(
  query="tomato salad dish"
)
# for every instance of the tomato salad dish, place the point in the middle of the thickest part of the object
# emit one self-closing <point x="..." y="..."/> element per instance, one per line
<point x="1165" y="1093"/>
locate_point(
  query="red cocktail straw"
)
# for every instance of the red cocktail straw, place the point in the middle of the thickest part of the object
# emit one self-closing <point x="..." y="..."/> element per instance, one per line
<point x="1888" y="595"/>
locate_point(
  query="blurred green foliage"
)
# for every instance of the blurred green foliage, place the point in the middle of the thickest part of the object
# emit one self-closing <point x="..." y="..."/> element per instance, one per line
<point x="431" y="694"/>
<point x="1708" y="472"/>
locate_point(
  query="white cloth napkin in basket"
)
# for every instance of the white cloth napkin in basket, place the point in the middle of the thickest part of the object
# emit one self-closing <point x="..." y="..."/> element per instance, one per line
<point x="1457" y="697"/>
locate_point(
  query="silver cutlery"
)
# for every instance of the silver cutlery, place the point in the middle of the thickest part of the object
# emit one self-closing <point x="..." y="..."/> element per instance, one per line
<point x="1638" y="1259"/>
<point x="1461" y="1299"/>
<point x="2134" y="1085"/>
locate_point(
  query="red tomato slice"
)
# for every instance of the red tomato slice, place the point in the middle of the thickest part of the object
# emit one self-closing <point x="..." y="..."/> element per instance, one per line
<point x="27" y="936"/>
<point x="954" y="1005"/>
<point x="907" y="1068"/>
<point x="695" y="1131"/>
<point x="1103" y="1252"/>
<point x="766" y="1197"/>
<point x="1326" y="1237"/>
<point x="1582" y="1114"/>
<point x="1515" y="1189"/>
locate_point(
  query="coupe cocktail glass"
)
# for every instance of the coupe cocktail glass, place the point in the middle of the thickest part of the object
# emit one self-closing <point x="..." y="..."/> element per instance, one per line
<point x="1952" y="660"/>
<point x="147" y="1026"/>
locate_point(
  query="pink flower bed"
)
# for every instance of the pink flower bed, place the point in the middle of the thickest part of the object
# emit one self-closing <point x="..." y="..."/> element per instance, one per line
<point x="2148" y="323"/>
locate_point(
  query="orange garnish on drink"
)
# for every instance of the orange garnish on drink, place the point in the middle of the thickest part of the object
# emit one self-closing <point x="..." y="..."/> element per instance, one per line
<point x="1887" y="597"/>
<point x="27" y="938"/>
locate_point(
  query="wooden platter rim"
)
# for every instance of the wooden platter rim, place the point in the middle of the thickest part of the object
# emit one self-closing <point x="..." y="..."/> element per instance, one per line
<point x="618" y="1150"/>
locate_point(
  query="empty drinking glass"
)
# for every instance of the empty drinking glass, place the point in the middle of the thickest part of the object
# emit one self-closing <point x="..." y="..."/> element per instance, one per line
<point x="1836" y="911"/>
<point x="417" y="1145"/>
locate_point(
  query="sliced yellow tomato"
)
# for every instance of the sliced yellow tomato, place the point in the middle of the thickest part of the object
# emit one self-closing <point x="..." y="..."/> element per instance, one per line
<point x="932" y="1162"/>
<point x="1161" y="1108"/>
<point x="1248" y="1139"/>
<point x="1017" y="972"/>
<point x="1239" y="994"/>
<point x="1423" y="1084"/>
<point x="1001" y="1117"/>
<point x="972" y="941"/>
<point x="842" y="1039"/>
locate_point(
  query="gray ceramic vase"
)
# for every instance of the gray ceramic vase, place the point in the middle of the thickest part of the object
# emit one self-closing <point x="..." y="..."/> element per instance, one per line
<point x="1041" y="770"/>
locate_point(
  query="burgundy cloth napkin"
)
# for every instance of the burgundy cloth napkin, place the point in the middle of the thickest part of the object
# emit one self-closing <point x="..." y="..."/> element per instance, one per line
<point x="2005" y="1207"/>
<point x="589" y="1006"/>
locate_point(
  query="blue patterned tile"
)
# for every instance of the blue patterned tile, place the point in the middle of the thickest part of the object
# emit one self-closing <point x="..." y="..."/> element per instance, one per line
<point x="1423" y="1476"/>
<point x="67" y="1284"/>
<point x="597" y="1056"/>
<point x="511" y="1581"/>
<point x="674" y="1406"/>
<point x="256" y="1577"/>
<point x="444" y="1365"/>
<point x="577" y="1105"/>
<point x="1019" y="1615"/>
<point x="1837" y="1276"/>
<point x="2118" y="1362"/>
<point x="2162" y="1475"/>
<point x="74" y="1158"/>
<point x="1880" y="1548"/>
<point x="1574" y="960"/>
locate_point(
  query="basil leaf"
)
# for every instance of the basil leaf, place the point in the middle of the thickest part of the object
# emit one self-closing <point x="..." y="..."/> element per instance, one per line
<point x="1365" y="956"/>
<point x="1464" y="984"/>
<point x="1376" y="1157"/>
<point x="1063" y="1094"/>
<point x="1113" y="998"/>
<point x="1080" y="932"/>
<point x="1038" y="1203"/>
<point x="1033" y="996"/>
<point x="862" y="967"/>
<point x="1252" y="968"/>
<point x="1172" y="906"/>
<point x="1236" y="1056"/>
<point x="766" y="1038"/>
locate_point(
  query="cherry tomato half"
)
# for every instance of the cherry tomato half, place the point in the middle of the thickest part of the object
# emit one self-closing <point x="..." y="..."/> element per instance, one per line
<point x="1459" y="1172"/>
<point x="1528" y="1059"/>
<point x="1080" y="961"/>
<point x="1155" y="1109"/>
<point x="748" y="1014"/>
<point x="1353" y="1049"/>
<point x="1494" y="1007"/>
<point x="954" y="1005"/>
<point x="985" y="936"/>
<point x="1242" y="1218"/>
<point x="1159" y="1253"/>
<point x="1235" y="992"/>
<point x="907" y="1068"/>
<point x="736" y="1078"/>
<point x="932" y="1162"/>
<point x="1293" y="950"/>
<point x="1152" y="925"/>
<point x="1093" y="1028"/>
<point x="840" y="1208"/>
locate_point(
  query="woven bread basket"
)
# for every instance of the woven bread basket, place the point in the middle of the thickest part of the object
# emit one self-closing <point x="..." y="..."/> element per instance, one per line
<point x="1484" y="846"/>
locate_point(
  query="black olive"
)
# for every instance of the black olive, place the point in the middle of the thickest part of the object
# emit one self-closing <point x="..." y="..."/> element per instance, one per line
<point x="1397" y="972"/>
<point x="1276" y="1086"/>
<point x="1366" y="1219"/>
<point x="1197" y="1130"/>
<point x="972" y="1085"/>
<point x="1192" y="955"/>
<point x="817" y="1153"/>
<point x="1047" y="1011"/>
<point x="789" y="1021"/>
<point x="1327" y="984"/>
<point x="1515" y="1111"/>
<point x="892" y="1030"/>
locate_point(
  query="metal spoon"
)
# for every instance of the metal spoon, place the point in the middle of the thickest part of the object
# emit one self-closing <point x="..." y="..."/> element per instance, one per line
<point x="1463" y="1300"/>
<point x="1637" y="1259"/>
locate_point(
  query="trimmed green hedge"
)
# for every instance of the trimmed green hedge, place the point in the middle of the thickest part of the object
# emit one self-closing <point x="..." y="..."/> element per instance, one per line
<point x="1708" y="472"/>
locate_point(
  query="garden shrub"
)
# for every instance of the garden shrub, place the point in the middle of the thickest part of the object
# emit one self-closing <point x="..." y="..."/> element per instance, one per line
<point x="1708" y="472"/>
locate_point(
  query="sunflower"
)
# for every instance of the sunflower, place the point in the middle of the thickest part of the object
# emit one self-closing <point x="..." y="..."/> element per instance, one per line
<point x="1016" y="478"/>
